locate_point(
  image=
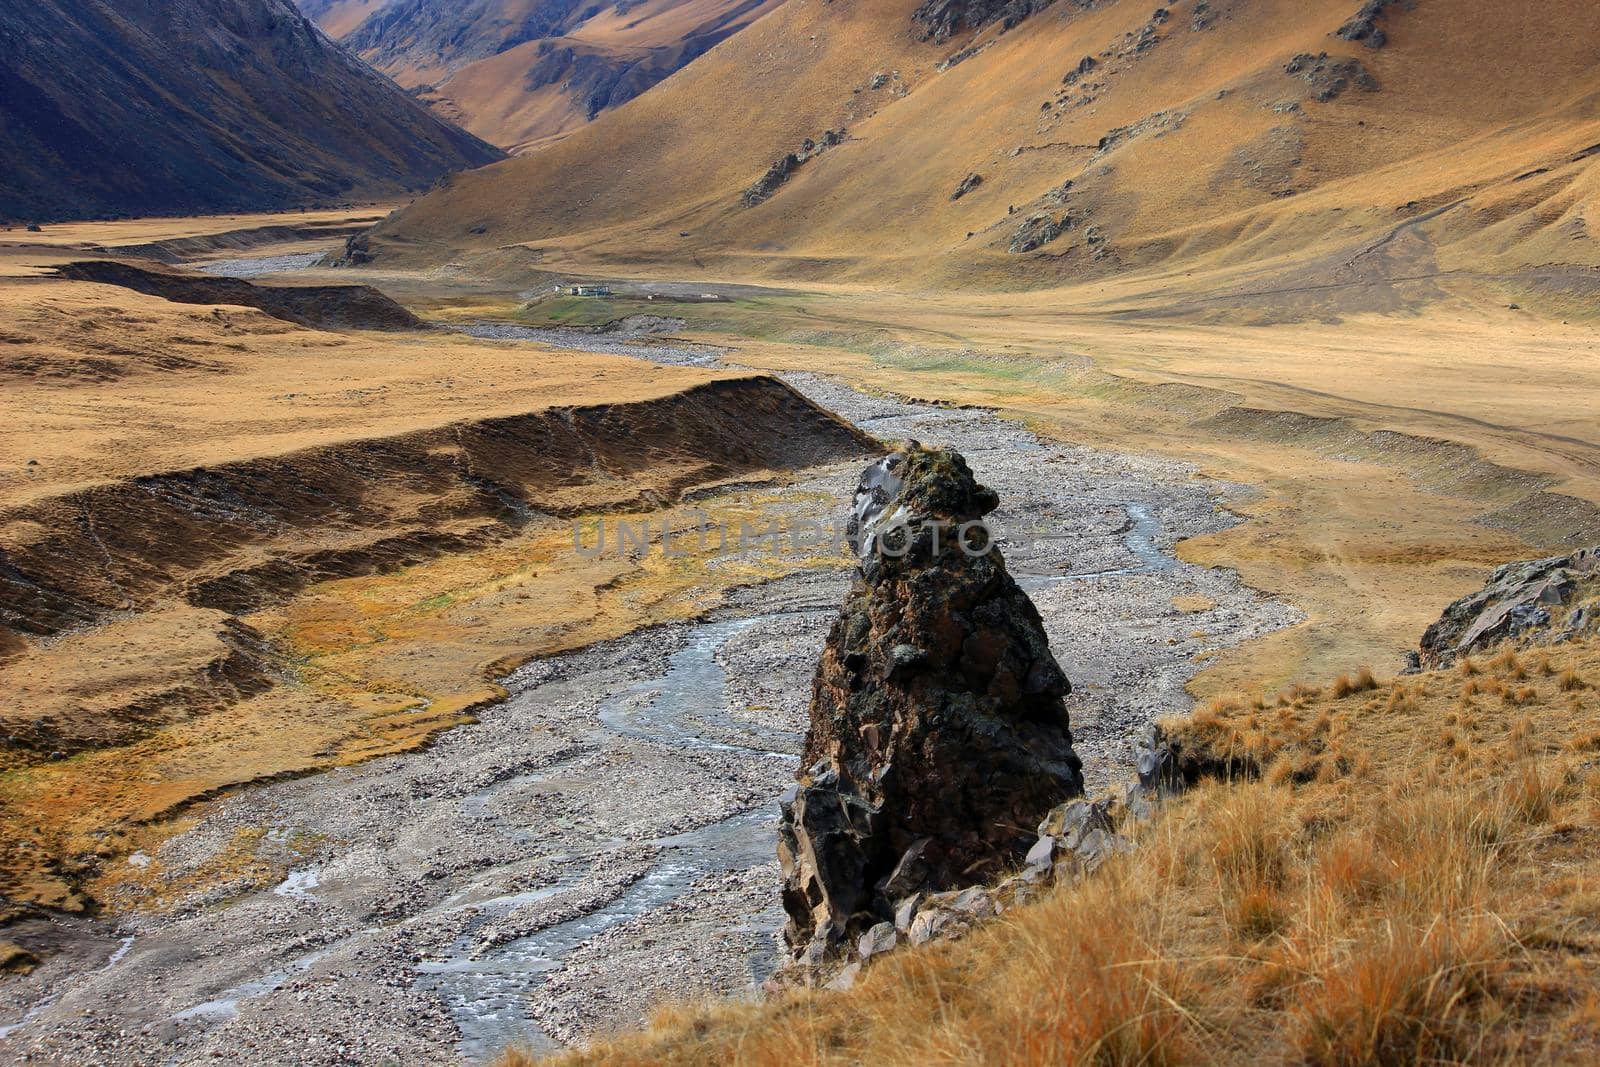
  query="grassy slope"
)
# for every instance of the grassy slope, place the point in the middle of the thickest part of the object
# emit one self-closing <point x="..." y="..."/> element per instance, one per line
<point x="1410" y="879"/>
<point x="1224" y="178"/>
<point x="691" y="142"/>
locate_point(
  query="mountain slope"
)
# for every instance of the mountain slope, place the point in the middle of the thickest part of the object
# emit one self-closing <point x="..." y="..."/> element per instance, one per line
<point x="200" y="106"/>
<point x="1292" y="140"/>
<point x="521" y="72"/>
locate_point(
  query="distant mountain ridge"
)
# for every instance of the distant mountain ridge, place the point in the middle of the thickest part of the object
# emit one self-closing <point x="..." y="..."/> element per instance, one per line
<point x="520" y="73"/>
<point x="339" y="17"/>
<point x="176" y="107"/>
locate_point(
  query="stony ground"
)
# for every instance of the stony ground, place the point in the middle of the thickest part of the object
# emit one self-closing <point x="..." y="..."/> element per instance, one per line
<point x="260" y="266"/>
<point x="604" y="839"/>
<point x="620" y="341"/>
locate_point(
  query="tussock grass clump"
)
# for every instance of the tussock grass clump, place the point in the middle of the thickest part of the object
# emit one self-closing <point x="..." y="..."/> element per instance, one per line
<point x="1345" y="686"/>
<point x="1388" y="891"/>
<point x="1399" y="995"/>
<point x="1506" y="661"/>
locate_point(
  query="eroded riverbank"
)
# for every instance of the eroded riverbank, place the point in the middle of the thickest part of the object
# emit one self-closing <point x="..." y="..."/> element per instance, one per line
<point x="603" y="839"/>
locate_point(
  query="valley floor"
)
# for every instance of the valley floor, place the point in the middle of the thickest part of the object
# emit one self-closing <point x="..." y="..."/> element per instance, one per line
<point x="1228" y="509"/>
<point x="603" y="840"/>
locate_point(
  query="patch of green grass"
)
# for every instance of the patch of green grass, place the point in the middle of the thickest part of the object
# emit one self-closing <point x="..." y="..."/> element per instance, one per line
<point x="768" y="318"/>
<point x="573" y="311"/>
<point x="433" y="603"/>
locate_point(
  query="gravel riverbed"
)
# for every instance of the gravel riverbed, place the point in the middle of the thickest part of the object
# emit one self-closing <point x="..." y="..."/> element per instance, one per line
<point x="603" y="839"/>
<point x="260" y="266"/>
<point x="622" y="339"/>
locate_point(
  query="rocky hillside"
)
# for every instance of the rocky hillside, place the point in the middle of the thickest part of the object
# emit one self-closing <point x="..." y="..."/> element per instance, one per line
<point x="1268" y="146"/>
<point x="520" y="72"/>
<point x="200" y="106"/>
<point x="1539" y="601"/>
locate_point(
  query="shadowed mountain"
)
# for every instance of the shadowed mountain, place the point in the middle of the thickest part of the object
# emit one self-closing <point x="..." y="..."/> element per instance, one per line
<point x="200" y="106"/>
<point x="521" y="72"/>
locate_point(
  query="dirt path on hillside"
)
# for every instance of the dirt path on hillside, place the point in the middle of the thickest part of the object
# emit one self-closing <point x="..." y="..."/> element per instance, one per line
<point x="604" y="839"/>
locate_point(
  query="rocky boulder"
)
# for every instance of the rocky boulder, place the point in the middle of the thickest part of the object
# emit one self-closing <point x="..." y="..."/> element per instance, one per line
<point x="784" y="169"/>
<point x="1363" y="25"/>
<point x="1329" y="78"/>
<point x="1036" y="232"/>
<point x="1533" y="601"/>
<point x="938" y="737"/>
<point x="939" y="20"/>
<point x="969" y="183"/>
<point x="770" y="182"/>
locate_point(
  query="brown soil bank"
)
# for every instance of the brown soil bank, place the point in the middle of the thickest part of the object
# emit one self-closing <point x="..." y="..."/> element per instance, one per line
<point x="321" y="306"/>
<point x="181" y="249"/>
<point x="235" y="536"/>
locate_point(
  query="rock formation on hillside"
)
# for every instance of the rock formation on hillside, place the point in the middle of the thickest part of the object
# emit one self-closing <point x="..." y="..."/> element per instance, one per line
<point x="1363" y="25"/>
<point x="938" y="735"/>
<point x="1534" y="601"/>
<point x="782" y="170"/>
<point x="199" y="107"/>
<point x="969" y="183"/>
<point x="1329" y="78"/>
<point x="1036" y="232"/>
<point x="939" y="20"/>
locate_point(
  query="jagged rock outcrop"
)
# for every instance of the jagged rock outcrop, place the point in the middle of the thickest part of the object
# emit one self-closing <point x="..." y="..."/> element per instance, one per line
<point x="969" y="183"/>
<point x="1036" y="232"/>
<point x="1329" y="78"/>
<point x="1532" y="601"/>
<point x="1363" y="25"/>
<point x="1085" y="66"/>
<point x="1074" y="840"/>
<point x="938" y="736"/>
<point x="939" y="20"/>
<point x="782" y="170"/>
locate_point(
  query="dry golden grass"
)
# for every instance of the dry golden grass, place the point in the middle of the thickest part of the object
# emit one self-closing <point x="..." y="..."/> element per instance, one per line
<point x="1358" y="893"/>
<point x="1203" y="170"/>
<point x="100" y="384"/>
<point x="21" y="248"/>
<point x="1363" y="682"/>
